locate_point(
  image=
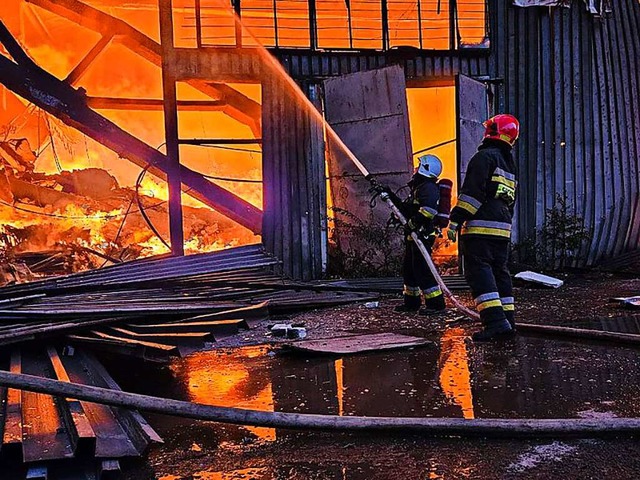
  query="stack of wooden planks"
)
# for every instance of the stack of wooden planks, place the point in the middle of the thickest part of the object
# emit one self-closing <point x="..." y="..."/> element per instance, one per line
<point x="41" y="429"/>
<point x="108" y="308"/>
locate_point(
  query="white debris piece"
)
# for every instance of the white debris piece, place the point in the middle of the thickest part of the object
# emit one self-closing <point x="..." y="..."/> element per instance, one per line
<point x="539" y="279"/>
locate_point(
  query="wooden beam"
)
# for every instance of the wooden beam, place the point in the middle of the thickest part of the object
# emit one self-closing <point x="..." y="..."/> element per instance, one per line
<point x="80" y="69"/>
<point x="170" y="98"/>
<point x="67" y="104"/>
<point x="220" y="141"/>
<point x="240" y="107"/>
<point x="153" y="104"/>
<point x="233" y="65"/>
<point x="14" y="48"/>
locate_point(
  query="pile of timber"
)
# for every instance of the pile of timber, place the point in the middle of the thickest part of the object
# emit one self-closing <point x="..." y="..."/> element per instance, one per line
<point x="47" y="432"/>
<point x="162" y="307"/>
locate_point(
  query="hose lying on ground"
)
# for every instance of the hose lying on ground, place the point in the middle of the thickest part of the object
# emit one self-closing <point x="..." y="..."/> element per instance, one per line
<point x="513" y="428"/>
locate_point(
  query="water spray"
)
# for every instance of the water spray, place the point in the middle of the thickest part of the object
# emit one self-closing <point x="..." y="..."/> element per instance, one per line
<point x="332" y="135"/>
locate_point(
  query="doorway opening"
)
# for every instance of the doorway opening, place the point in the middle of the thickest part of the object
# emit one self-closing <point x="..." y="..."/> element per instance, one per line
<point x="433" y="125"/>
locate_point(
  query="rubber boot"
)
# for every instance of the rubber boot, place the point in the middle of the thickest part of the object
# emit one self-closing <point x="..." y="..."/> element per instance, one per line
<point x="434" y="306"/>
<point x="494" y="330"/>
<point x="411" y="304"/>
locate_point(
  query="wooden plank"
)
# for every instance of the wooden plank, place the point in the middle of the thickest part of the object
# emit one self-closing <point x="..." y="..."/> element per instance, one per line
<point x="359" y="343"/>
<point x="86" y="435"/>
<point x="120" y="348"/>
<point x="47" y="429"/>
<point x="12" y="435"/>
<point x="109" y="470"/>
<point x="217" y="327"/>
<point x="136" y="425"/>
<point x="193" y="339"/>
<point x="3" y="406"/>
<point x="170" y="349"/>
<point x="112" y="441"/>
<point x="251" y="314"/>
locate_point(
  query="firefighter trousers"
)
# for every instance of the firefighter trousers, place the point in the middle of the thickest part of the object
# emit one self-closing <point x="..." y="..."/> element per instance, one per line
<point x="485" y="263"/>
<point x="418" y="279"/>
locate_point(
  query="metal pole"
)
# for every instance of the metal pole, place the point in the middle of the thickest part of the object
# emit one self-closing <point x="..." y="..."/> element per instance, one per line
<point x="171" y="127"/>
<point x="385" y="25"/>
<point x="313" y="25"/>
<point x="238" y="9"/>
<point x="198" y="12"/>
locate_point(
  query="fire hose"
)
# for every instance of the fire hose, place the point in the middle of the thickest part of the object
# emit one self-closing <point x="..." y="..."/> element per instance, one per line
<point x="414" y="236"/>
<point x="458" y="427"/>
<point x="425" y="253"/>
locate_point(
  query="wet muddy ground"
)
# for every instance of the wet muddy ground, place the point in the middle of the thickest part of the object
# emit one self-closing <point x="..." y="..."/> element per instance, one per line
<point x="526" y="377"/>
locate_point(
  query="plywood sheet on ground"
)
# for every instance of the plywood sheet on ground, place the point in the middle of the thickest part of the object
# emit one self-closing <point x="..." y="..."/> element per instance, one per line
<point x="359" y="343"/>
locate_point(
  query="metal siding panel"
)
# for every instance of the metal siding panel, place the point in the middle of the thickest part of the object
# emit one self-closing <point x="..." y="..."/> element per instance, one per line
<point x="547" y="56"/>
<point x="471" y="109"/>
<point x="633" y="32"/>
<point x="630" y="98"/>
<point x="617" y="167"/>
<point x="609" y="182"/>
<point x="375" y="127"/>
<point x="297" y="190"/>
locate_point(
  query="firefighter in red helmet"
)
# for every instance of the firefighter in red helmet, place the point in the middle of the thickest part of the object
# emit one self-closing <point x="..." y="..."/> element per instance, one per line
<point x="483" y="217"/>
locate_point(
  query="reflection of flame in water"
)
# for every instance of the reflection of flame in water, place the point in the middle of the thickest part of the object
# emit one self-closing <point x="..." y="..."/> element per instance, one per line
<point x="339" y="366"/>
<point x="244" y="474"/>
<point x="455" y="378"/>
<point x="232" y="380"/>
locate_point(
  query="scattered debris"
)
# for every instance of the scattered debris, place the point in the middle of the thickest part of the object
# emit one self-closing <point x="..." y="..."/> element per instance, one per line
<point x="539" y="279"/>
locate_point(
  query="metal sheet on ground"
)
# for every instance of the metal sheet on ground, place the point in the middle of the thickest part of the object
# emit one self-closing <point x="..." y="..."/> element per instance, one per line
<point x="359" y="343"/>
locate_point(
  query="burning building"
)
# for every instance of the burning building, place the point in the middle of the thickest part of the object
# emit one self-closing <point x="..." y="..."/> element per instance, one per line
<point x="139" y="128"/>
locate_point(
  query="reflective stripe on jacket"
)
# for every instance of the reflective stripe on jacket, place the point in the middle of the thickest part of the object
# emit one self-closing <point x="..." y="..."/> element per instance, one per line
<point x="488" y="192"/>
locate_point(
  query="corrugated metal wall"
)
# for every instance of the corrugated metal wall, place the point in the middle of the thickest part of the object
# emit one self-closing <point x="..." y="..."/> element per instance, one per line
<point x="305" y="65"/>
<point x="574" y="81"/>
<point x="295" y="204"/>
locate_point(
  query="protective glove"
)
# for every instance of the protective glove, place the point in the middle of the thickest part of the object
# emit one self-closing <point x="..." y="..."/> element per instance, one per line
<point x="452" y="233"/>
<point x="411" y="225"/>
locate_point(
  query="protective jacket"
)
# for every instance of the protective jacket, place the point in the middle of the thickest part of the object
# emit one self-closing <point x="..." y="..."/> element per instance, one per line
<point x="423" y="203"/>
<point x="421" y="209"/>
<point x="488" y="193"/>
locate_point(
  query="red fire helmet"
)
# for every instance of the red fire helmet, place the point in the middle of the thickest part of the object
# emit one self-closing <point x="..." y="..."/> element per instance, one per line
<point x="503" y="127"/>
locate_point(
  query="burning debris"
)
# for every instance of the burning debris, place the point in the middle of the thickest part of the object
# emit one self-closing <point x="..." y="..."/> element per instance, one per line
<point x="87" y="218"/>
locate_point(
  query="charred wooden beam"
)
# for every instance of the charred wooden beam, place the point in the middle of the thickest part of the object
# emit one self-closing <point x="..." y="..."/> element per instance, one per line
<point x="14" y="48"/>
<point x="220" y="141"/>
<point x="88" y="59"/>
<point x="148" y="104"/>
<point x="69" y="105"/>
<point x="170" y="108"/>
<point x="239" y="106"/>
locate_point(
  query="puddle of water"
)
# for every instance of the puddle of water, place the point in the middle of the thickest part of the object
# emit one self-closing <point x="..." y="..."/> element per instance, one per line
<point x="527" y="378"/>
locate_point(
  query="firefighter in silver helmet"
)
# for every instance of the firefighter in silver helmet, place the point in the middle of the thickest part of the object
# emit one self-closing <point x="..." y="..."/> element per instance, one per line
<point x="425" y="214"/>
